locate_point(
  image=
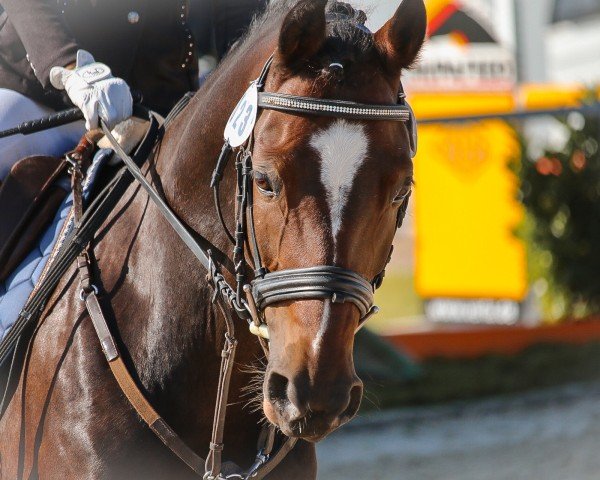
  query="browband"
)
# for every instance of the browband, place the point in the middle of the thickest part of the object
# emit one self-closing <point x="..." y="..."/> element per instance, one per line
<point x="400" y="112"/>
<point x="333" y="108"/>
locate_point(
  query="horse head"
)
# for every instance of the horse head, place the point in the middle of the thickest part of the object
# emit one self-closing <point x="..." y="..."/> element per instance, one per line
<point x="328" y="191"/>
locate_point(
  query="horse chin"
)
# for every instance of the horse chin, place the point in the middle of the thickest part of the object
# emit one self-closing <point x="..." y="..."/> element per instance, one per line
<point x="308" y="432"/>
<point x="311" y="430"/>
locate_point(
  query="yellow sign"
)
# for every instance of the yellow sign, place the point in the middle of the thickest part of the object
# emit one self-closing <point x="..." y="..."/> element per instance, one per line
<point x="466" y="213"/>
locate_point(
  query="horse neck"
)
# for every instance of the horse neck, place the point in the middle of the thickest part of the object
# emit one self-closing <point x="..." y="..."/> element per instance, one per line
<point x="193" y="142"/>
<point x="163" y="309"/>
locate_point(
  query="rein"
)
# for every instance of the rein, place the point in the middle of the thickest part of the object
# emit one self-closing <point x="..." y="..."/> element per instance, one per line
<point x="247" y="300"/>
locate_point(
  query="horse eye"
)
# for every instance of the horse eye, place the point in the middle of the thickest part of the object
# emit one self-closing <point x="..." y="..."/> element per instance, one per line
<point x="263" y="184"/>
<point x="402" y="194"/>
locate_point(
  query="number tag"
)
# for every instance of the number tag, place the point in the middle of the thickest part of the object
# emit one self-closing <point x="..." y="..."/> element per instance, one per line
<point x="241" y="122"/>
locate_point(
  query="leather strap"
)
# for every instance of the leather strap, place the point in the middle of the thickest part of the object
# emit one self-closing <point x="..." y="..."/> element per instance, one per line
<point x="324" y="281"/>
<point x="218" y="281"/>
<point x="211" y="468"/>
<point x="267" y="467"/>
<point x="162" y="206"/>
<point x="92" y="219"/>
<point x="332" y="108"/>
<point x="132" y="392"/>
<point x="213" y="463"/>
<point x="117" y="366"/>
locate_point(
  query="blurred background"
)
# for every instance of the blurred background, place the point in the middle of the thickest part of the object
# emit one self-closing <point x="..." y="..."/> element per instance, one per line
<point x="484" y="362"/>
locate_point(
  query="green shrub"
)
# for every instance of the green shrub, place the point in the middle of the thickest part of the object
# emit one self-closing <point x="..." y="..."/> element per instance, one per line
<point x="561" y="193"/>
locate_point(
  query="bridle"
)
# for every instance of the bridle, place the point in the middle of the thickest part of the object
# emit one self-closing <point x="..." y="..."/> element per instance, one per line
<point x="250" y="297"/>
<point x="331" y="282"/>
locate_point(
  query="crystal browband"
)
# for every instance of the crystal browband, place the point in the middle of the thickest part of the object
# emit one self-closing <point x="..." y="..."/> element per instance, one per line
<point x="333" y="108"/>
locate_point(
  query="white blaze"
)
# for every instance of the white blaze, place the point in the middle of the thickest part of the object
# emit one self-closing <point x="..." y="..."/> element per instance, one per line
<point x="343" y="148"/>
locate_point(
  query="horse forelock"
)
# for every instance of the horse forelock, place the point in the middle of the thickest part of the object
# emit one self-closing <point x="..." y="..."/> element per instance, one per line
<point x="345" y="26"/>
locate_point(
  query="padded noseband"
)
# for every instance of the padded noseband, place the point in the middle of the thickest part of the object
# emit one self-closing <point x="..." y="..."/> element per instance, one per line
<point x="338" y="284"/>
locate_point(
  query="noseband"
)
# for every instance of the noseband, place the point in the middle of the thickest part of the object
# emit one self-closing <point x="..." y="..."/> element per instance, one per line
<point x="338" y="284"/>
<point x="331" y="282"/>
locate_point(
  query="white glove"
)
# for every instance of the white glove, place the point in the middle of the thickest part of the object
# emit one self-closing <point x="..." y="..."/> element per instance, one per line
<point x="94" y="90"/>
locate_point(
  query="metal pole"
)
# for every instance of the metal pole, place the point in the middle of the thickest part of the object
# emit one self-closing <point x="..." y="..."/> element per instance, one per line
<point x="532" y="18"/>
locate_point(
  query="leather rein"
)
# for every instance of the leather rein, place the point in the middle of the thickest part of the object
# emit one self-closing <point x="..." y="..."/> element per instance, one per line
<point x="247" y="300"/>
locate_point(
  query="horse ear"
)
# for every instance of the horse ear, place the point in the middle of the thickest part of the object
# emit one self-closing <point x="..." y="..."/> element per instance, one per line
<point x="401" y="38"/>
<point x="303" y="31"/>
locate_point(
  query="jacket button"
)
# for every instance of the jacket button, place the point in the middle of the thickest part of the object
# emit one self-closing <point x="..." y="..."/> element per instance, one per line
<point x="133" y="17"/>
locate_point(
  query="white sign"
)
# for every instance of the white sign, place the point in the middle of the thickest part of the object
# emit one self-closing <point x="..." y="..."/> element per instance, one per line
<point x="449" y="67"/>
<point x="484" y="312"/>
<point x="468" y="49"/>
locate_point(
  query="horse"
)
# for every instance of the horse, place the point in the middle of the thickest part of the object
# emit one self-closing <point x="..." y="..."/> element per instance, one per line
<point x="327" y="191"/>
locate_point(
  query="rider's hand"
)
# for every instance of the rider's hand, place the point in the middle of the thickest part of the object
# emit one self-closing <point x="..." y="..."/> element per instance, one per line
<point x="91" y="86"/>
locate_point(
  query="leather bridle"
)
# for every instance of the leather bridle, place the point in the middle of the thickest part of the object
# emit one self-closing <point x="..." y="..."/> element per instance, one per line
<point x="267" y="288"/>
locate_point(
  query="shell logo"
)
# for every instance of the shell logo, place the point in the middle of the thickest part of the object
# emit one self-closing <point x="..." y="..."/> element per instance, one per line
<point x="448" y="17"/>
<point x="462" y="52"/>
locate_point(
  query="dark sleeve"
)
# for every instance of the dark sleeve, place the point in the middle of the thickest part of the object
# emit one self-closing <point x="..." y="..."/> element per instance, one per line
<point x="44" y="35"/>
<point x="200" y="22"/>
<point x="231" y="19"/>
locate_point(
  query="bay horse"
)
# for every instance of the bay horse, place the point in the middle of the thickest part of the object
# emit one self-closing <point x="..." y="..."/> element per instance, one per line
<point x="327" y="191"/>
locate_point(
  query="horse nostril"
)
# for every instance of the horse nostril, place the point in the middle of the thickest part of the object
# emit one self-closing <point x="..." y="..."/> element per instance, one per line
<point x="279" y="396"/>
<point x="277" y="388"/>
<point x="338" y="402"/>
<point x="353" y="405"/>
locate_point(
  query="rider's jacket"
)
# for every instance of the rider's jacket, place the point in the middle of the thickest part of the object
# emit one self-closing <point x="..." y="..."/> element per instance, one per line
<point x="148" y="43"/>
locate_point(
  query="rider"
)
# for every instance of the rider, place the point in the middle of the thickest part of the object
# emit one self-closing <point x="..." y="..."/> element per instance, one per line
<point x="91" y="52"/>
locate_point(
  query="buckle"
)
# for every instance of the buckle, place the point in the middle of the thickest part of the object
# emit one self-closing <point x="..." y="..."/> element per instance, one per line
<point x="84" y="292"/>
<point x="261" y="459"/>
<point x="75" y="165"/>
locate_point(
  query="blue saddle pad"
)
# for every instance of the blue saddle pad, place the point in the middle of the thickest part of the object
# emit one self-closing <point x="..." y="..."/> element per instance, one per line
<point x="15" y="291"/>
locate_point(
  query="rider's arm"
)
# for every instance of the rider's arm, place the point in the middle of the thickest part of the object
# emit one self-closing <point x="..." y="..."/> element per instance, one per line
<point x="44" y="35"/>
<point x="58" y="62"/>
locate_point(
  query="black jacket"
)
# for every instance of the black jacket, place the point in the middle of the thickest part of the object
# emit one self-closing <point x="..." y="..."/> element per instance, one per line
<point x="148" y="43"/>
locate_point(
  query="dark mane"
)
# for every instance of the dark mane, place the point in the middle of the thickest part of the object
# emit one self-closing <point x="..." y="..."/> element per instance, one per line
<point x="345" y="24"/>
